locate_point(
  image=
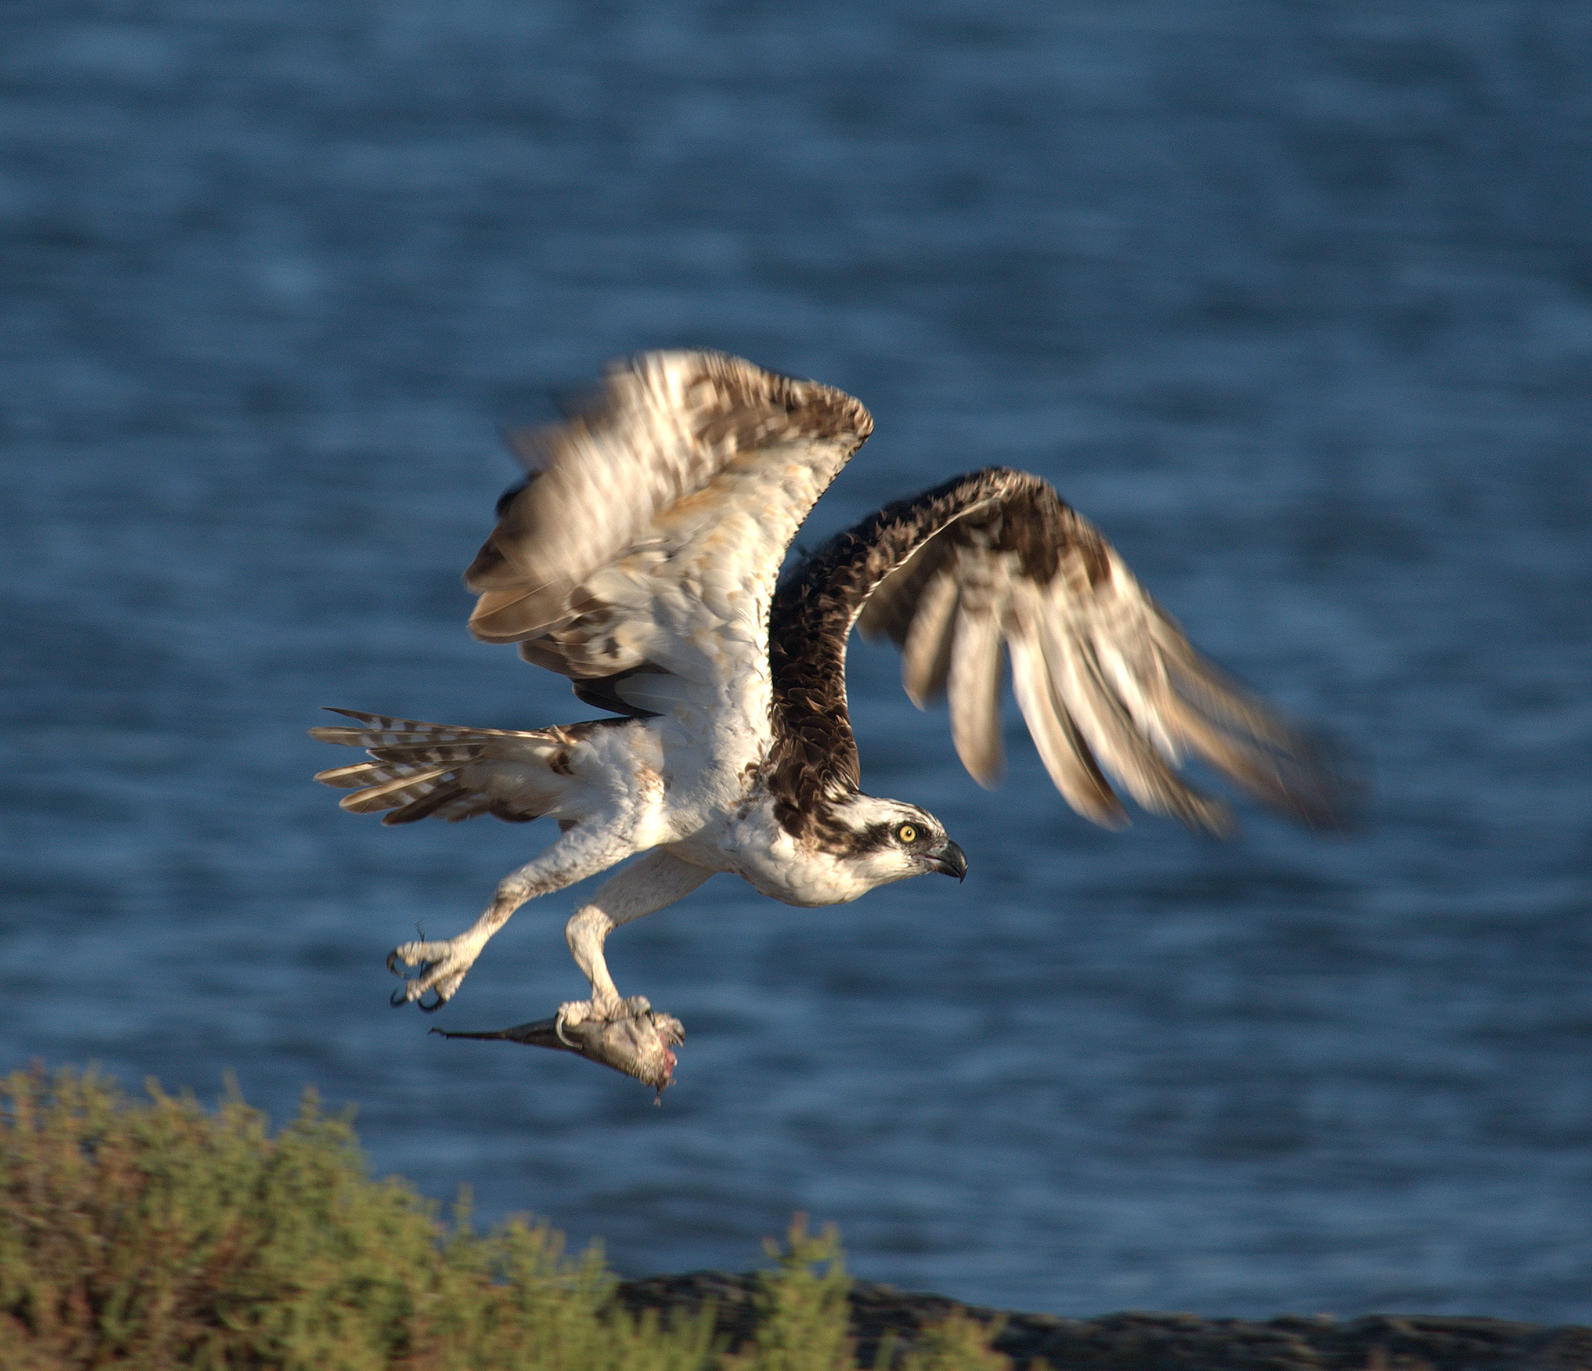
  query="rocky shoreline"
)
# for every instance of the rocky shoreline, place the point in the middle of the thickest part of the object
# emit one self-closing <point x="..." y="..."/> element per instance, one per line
<point x="1155" y="1342"/>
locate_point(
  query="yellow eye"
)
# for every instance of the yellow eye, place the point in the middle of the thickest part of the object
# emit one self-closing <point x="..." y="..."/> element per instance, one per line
<point x="907" y="833"/>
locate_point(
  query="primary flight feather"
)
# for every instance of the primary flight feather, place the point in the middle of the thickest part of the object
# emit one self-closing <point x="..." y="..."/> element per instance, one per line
<point x="641" y="558"/>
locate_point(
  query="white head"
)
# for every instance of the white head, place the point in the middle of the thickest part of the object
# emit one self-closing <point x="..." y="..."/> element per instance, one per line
<point x="879" y="841"/>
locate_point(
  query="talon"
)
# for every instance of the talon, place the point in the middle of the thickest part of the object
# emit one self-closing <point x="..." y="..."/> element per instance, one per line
<point x="572" y="1013"/>
<point x="437" y="969"/>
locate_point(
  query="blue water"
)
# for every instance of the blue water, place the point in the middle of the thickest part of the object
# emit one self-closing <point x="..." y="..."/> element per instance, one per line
<point x="1295" y="301"/>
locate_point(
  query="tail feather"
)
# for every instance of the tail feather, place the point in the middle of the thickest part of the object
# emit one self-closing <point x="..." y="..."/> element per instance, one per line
<point x="447" y="800"/>
<point x="420" y="770"/>
<point x="398" y="790"/>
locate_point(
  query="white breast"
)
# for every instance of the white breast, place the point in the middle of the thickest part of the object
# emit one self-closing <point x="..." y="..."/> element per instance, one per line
<point x="755" y="847"/>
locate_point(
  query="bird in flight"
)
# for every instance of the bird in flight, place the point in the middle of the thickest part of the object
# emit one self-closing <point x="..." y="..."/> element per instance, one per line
<point x="640" y="557"/>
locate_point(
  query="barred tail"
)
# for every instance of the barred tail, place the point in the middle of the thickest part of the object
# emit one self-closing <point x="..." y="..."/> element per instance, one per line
<point x="418" y="770"/>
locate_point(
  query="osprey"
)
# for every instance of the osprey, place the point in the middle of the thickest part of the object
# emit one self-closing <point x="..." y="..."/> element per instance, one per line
<point x="640" y="557"/>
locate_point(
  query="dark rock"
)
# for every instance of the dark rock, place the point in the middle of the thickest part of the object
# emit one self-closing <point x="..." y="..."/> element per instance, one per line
<point x="1152" y="1342"/>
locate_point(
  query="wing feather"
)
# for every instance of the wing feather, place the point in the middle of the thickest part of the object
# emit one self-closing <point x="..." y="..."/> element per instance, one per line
<point x="1061" y="748"/>
<point x="973" y="690"/>
<point x="926" y="642"/>
<point x="1124" y="743"/>
<point x="1107" y="684"/>
<point x="649" y="533"/>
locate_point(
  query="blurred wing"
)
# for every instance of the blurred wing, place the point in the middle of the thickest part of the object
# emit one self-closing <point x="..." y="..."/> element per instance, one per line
<point x="1108" y="685"/>
<point x="647" y="538"/>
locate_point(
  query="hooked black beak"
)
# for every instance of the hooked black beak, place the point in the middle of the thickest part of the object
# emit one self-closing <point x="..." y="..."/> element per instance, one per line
<point x="950" y="859"/>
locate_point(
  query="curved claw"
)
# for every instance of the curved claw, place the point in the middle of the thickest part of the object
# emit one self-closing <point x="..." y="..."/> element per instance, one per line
<point x="405" y="996"/>
<point x="429" y="969"/>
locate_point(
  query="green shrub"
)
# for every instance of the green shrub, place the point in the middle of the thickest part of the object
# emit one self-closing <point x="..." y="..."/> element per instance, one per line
<point x="159" y="1235"/>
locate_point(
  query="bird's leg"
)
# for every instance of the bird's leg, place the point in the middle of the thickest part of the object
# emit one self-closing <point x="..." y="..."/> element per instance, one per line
<point x="442" y="965"/>
<point x="658" y="879"/>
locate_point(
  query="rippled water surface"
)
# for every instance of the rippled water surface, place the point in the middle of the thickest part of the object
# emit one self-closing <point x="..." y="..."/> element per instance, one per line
<point x="1294" y="300"/>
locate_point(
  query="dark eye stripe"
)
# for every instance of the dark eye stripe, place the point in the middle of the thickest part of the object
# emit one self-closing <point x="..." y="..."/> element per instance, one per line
<point x="880" y="836"/>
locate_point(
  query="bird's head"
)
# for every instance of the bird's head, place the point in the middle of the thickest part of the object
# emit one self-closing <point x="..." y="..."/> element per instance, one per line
<point x="887" y="840"/>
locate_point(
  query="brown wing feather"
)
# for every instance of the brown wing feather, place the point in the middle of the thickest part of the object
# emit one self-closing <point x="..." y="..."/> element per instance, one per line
<point x="1106" y="682"/>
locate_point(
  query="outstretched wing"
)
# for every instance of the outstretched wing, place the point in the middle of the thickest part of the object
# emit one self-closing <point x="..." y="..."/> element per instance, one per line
<point x="1108" y="685"/>
<point x="640" y="554"/>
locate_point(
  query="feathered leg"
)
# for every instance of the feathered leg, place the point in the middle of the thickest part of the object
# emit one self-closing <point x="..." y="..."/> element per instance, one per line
<point x="581" y="852"/>
<point x="628" y="1035"/>
<point x="658" y="879"/>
